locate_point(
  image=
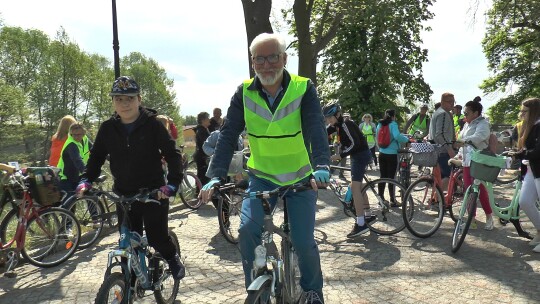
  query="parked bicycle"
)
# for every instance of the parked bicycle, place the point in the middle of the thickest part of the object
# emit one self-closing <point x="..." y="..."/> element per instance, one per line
<point x="426" y="203"/>
<point x="93" y="210"/>
<point x="46" y="236"/>
<point x="230" y="198"/>
<point x="135" y="267"/>
<point x="386" y="214"/>
<point x="190" y="186"/>
<point x="485" y="169"/>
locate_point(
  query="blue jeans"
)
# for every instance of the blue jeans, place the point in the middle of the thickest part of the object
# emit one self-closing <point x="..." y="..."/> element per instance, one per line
<point x="301" y="207"/>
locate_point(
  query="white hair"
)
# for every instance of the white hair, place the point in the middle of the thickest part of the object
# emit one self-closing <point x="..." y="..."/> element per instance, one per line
<point x="264" y="37"/>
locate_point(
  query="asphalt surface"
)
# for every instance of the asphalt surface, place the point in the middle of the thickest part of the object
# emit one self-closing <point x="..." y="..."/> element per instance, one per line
<point x="491" y="267"/>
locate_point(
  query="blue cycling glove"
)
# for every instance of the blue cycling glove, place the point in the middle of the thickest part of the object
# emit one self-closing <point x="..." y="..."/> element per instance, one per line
<point x="322" y="176"/>
<point x="213" y="182"/>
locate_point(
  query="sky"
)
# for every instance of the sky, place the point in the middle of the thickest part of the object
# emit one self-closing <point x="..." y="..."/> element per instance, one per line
<point x="202" y="44"/>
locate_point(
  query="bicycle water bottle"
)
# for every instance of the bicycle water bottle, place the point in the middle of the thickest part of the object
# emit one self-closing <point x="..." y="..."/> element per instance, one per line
<point x="348" y="196"/>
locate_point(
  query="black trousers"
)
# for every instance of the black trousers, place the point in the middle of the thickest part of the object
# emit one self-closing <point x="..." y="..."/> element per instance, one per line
<point x="388" y="167"/>
<point x="374" y="155"/>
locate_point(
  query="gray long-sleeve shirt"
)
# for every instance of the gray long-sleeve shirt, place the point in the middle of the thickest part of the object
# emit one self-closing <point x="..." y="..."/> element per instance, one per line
<point x="441" y="129"/>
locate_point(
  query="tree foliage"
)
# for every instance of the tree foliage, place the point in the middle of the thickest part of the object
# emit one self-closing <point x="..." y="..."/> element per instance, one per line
<point x="370" y="51"/>
<point x="512" y="48"/>
<point x="43" y="79"/>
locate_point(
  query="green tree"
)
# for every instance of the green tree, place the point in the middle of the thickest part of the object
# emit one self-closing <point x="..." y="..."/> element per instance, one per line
<point x="511" y="45"/>
<point x="375" y="60"/>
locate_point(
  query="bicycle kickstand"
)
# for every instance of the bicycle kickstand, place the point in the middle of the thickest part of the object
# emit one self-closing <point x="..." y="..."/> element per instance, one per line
<point x="12" y="261"/>
<point x="519" y="229"/>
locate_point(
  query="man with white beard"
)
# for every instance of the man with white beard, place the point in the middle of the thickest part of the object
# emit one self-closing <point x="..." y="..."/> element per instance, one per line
<point x="288" y="143"/>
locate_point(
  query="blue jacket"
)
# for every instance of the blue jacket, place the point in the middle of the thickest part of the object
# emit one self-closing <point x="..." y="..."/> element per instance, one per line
<point x="313" y="128"/>
<point x="397" y="138"/>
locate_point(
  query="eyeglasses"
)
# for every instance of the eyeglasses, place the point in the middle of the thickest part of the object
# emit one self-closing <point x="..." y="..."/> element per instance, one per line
<point x="274" y="58"/>
<point x="77" y="134"/>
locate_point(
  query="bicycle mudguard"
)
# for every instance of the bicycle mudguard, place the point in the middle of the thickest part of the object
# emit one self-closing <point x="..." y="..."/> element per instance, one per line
<point x="122" y="265"/>
<point x="259" y="281"/>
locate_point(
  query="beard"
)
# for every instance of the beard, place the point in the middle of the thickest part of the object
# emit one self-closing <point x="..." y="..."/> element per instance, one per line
<point x="272" y="79"/>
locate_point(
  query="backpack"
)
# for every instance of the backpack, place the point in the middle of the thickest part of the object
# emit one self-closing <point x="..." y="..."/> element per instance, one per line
<point x="384" y="137"/>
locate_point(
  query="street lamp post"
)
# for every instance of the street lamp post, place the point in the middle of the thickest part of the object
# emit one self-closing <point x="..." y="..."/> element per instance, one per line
<point x="116" y="46"/>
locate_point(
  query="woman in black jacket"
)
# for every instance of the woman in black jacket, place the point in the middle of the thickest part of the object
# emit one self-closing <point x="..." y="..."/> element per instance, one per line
<point x="529" y="145"/>
<point x="201" y="134"/>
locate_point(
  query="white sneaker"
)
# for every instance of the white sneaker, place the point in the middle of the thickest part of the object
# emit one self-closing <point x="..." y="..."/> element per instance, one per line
<point x="489" y="223"/>
<point x="537" y="248"/>
<point x="535" y="241"/>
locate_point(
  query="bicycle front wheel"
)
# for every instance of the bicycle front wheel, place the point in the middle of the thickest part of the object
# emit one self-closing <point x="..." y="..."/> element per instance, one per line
<point x="114" y="290"/>
<point x="388" y="218"/>
<point x="293" y="291"/>
<point x="189" y="190"/>
<point x="457" y="197"/>
<point x="89" y="213"/>
<point x="229" y="211"/>
<point x="51" y="237"/>
<point x="464" y="221"/>
<point x="263" y="295"/>
<point x="423" y="210"/>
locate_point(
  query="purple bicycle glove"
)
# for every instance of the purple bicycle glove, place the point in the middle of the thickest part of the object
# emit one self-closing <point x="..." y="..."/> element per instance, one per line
<point x="168" y="190"/>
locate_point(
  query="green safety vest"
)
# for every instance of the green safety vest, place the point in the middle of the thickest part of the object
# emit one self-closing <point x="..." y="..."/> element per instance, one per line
<point x="419" y="125"/>
<point x="278" y="151"/>
<point x="456" y="122"/>
<point x="84" y="151"/>
<point x="367" y="130"/>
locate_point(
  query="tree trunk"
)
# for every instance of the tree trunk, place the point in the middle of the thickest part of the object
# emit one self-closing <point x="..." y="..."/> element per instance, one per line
<point x="307" y="64"/>
<point x="257" y="19"/>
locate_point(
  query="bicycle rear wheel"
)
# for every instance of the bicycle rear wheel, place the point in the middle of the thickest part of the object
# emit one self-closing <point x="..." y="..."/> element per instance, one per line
<point x="189" y="190"/>
<point x="51" y="238"/>
<point x="229" y="211"/>
<point x="292" y="289"/>
<point x="388" y="218"/>
<point x="464" y="221"/>
<point x="423" y="211"/>
<point x="166" y="294"/>
<point x="89" y="213"/>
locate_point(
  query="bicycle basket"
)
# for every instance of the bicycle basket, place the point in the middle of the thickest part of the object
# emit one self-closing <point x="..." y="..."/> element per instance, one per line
<point x="424" y="154"/>
<point x="44" y="185"/>
<point x="486" y="166"/>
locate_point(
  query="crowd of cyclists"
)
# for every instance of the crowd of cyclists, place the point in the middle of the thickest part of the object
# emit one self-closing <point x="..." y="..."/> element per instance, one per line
<point x="290" y="134"/>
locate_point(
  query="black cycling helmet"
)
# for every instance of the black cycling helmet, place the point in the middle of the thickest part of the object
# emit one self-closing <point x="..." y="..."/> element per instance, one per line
<point x="331" y="109"/>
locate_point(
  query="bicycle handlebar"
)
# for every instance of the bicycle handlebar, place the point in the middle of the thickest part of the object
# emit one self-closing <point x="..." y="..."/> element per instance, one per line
<point x="280" y="190"/>
<point x="143" y="196"/>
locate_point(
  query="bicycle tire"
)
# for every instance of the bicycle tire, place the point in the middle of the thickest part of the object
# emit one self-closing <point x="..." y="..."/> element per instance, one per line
<point x="457" y="198"/>
<point x="113" y="288"/>
<point x="8" y="226"/>
<point x="160" y="266"/>
<point x="423" y="211"/>
<point x="229" y="212"/>
<point x="388" y="218"/>
<point x="263" y="295"/>
<point x="464" y="221"/>
<point x="291" y="275"/>
<point x="89" y="212"/>
<point x="189" y="191"/>
<point x="51" y="229"/>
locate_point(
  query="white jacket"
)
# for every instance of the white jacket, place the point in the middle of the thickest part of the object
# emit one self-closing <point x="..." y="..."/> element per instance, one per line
<point x="478" y="132"/>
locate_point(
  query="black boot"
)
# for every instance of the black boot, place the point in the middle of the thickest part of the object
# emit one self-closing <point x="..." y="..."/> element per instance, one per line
<point x="176" y="267"/>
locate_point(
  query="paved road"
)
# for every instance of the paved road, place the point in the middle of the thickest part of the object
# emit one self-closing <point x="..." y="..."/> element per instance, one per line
<point x="492" y="266"/>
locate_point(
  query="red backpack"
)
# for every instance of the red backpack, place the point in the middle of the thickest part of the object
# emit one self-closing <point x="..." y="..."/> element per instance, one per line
<point x="384" y="137"/>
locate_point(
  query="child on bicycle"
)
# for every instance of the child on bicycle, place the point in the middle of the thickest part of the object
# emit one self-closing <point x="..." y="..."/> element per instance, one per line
<point x="135" y="141"/>
<point x="353" y="143"/>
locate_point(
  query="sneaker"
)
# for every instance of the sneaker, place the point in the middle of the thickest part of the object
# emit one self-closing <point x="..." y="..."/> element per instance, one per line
<point x="311" y="297"/>
<point x="537" y="248"/>
<point x="395" y="204"/>
<point x="358" y="230"/>
<point x="489" y="223"/>
<point x="473" y="224"/>
<point x="176" y="267"/>
<point x="535" y="241"/>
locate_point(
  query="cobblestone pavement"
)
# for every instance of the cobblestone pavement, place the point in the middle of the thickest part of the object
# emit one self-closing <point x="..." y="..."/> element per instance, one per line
<point x="492" y="266"/>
